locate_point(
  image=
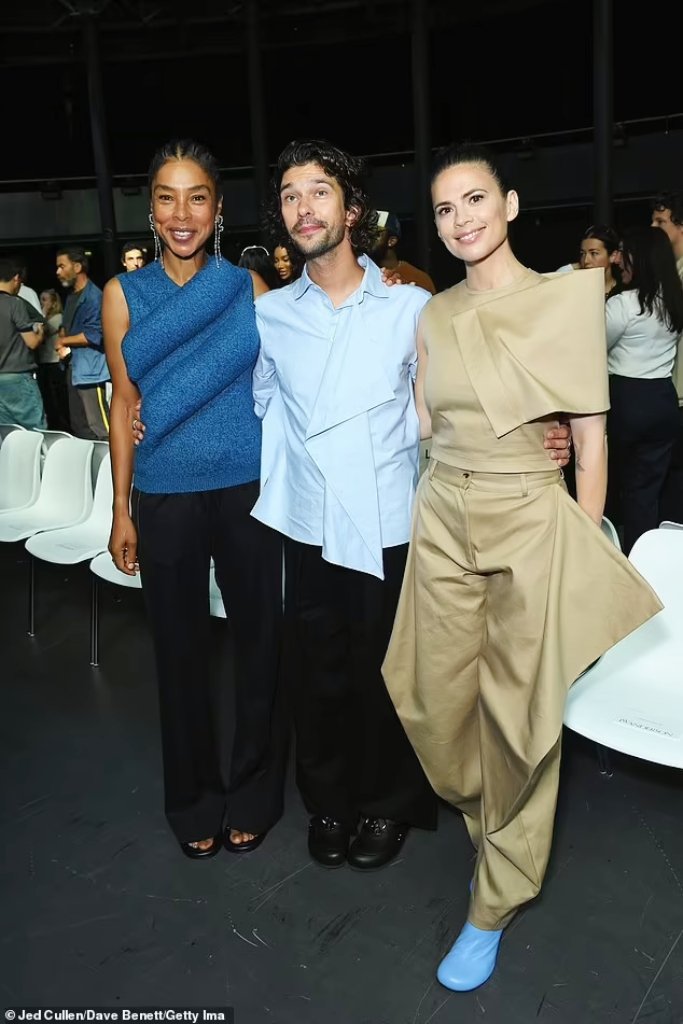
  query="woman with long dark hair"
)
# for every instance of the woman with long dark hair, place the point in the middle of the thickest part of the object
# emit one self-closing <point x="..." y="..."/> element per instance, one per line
<point x="258" y="259"/>
<point x="287" y="262"/>
<point x="644" y="322"/>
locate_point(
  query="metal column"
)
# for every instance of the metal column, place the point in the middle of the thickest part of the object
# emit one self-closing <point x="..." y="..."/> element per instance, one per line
<point x="603" y="104"/>
<point x="257" y="114"/>
<point x="99" y="144"/>
<point x="421" y="129"/>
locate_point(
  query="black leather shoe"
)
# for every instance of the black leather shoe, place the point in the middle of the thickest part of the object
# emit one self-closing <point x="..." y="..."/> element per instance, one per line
<point x="196" y="853"/>
<point x="328" y="841"/>
<point x="377" y="843"/>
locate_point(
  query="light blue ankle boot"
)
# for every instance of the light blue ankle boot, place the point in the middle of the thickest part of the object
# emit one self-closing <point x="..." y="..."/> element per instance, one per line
<point x="471" y="960"/>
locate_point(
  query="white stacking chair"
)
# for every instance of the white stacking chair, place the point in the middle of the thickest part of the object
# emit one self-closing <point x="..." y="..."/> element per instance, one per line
<point x="65" y="499"/>
<point x="103" y="568"/>
<point x="8" y="428"/>
<point x="50" y="436"/>
<point x="65" y="496"/>
<point x="610" y="531"/>
<point x="631" y="700"/>
<point x="216" y="606"/>
<point x="19" y="470"/>
<point x="100" y="452"/>
<point x="668" y="524"/>
<point x="81" y="542"/>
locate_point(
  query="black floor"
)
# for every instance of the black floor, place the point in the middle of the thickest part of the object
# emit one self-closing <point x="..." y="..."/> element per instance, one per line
<point x="101" y="909"/>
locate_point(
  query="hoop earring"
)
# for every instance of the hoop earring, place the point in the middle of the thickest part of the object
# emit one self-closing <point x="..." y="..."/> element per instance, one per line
<point x="218" y="231"/>
<point x="158" y="252"/>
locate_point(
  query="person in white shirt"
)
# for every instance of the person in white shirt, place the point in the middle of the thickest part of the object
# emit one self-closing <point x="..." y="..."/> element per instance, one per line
<point x="28" y="294"/>
<point x="333" y="385"/>
<point x="667" y="214"/>
<point x="643" y="324"/>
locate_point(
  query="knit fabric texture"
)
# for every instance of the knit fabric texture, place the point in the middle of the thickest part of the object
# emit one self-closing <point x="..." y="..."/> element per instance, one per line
<point x="191" y="351"/>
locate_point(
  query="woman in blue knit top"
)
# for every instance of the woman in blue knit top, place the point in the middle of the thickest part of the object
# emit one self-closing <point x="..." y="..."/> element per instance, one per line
<point x="180" y="334"/>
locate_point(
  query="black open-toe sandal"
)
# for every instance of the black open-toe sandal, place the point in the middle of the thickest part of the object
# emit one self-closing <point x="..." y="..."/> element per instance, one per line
<point x="246" y="847"/>
<point x="195" y="853"/>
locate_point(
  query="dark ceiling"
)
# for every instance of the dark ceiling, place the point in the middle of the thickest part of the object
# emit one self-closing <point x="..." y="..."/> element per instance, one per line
<point x="48" y="31"/>
<point x="342" y="69"/>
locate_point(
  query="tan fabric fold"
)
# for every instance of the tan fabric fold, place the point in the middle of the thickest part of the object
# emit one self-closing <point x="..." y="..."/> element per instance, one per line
<point x="535" y="351"/>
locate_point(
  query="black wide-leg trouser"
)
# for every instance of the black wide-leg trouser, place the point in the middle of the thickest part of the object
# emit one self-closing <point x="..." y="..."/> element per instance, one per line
<point x="353" y="758"/>
<point x="642" y="426"/>
<point x="209" y="782"/>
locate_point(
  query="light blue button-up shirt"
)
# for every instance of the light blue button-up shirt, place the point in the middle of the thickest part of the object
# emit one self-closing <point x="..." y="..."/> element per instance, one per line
<point x="334" y="388"/>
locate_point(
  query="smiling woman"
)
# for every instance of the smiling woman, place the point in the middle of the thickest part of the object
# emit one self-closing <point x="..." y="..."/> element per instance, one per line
<point x="505" y="572"/>
<point x="181" y="336"/>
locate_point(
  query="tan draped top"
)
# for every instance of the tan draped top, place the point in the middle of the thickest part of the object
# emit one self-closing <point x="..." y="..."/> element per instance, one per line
<point x="504" y="363"/>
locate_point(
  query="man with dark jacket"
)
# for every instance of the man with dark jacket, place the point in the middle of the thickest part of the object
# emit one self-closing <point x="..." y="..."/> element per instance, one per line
<point x="81" y="339"/>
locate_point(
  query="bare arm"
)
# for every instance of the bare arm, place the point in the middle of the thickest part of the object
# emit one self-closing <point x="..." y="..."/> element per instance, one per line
<point x="125" y="395"/>
<point x="73" y="341"/>
<point x="423" y="412"/>
<point x="259" y="284"/>
<point x="591" y="463"/>
<point x="32" y="339"/>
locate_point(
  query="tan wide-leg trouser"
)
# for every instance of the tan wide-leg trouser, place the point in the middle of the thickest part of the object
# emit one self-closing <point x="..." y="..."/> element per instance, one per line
<point x="508" y="595"/>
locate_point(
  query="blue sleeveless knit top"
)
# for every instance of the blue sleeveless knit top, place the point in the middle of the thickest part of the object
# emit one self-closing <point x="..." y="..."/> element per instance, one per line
<point x="191" y="351"/>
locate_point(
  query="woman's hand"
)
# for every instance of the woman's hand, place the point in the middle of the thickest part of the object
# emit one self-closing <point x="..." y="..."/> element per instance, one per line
<point x="123" y="544"/>
<point x="390" y="277"/>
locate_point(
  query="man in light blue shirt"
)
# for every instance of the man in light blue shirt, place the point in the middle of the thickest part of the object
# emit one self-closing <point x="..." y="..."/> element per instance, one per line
<point x="334" y="387"/>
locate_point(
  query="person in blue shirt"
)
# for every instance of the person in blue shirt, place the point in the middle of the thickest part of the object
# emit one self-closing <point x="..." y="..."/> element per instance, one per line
<point x="333" y="385"/>
<point x="80" y="338"/>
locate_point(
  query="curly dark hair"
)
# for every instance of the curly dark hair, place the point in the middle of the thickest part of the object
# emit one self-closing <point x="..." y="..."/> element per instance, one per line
<point x="347" y="171"/>
<point x="672" y="201"/>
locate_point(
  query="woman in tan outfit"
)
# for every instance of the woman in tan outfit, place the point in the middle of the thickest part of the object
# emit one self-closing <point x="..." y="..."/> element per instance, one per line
<point x="511" y="590"/>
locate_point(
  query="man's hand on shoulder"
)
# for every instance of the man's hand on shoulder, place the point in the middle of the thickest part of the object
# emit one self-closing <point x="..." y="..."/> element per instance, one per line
<point x="558" y="443"/>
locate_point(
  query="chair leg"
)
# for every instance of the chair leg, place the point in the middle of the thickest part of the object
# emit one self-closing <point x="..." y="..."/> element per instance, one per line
<point x="31" y="595"/>
<point x="604" y="761"/>
<point x="94" y="621"/>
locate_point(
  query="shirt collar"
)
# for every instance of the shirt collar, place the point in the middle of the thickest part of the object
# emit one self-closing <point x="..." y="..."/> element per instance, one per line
<point x="371" y="284"/>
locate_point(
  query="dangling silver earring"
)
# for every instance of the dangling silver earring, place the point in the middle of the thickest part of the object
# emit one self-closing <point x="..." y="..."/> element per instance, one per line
<point x="158" y="254"/>
<point x="218" y="231"/>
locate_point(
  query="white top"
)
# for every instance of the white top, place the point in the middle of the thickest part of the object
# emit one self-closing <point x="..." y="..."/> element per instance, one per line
<point x="334" y="388"/>
<point x="638" y="344"/>
<point x="31" y="297"/>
